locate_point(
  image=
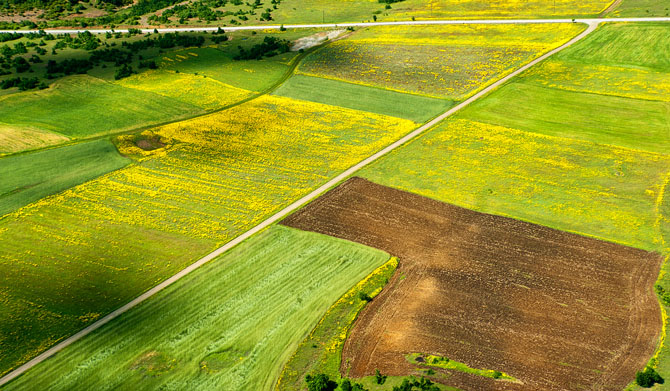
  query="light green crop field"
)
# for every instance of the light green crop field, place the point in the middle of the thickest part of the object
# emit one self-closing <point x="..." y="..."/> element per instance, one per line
<point x="29" y="177"/>
<point x="79" y="106"/>
<point x="450" y="62"/>
<point x="644" y="8"/>
<point x="333" y="11"/>
<point x="632" y="123"/>
<point x="355" y="96"/>
<point x="614" y="72"/>
<point x="229" y="325"/>
<point x="69" y="258"/>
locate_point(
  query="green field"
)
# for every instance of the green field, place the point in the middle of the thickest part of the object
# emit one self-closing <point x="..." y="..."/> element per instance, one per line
<point x="627" y="122"/>
<point x="29" y="177"/>
<point x="449" y="62"/>
<point x="354" y="96"/>
<point x="644" y="8"/>
<point x="104" y="242"/>
<point x="231" y="324"/>
<point x="83" y="106"/>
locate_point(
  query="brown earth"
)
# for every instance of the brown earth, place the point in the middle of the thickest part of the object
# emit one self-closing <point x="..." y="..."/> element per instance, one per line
<point x="557" y="311"/>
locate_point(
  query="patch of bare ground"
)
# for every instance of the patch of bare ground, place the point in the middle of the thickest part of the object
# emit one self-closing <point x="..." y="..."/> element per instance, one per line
<point x="557" y="311"/>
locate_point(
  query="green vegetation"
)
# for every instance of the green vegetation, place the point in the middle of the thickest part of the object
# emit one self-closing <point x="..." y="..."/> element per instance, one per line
<point x="354" y="96"/>
<point x="623" y="44"/>
<point x="29" y="177"/>
<point x="627" y="122"/>
<point x="73" y="257"/>
<point x="238" y="12"/>
<point x="321" y="351"/>
<point x="232" y="323"/>
<point x="648" y="377"/>
<point x="80" y="106"/>
<point x="446" y="363"/>
<point x="644" y="8"/>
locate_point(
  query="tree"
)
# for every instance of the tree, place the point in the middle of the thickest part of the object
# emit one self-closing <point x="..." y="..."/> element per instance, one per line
<point x="123" y="72"/>
<point x="345" y="385"/>
<point x="379" y="378"/>
<point x="320" y="382"/>
<point x="648" y="378"/>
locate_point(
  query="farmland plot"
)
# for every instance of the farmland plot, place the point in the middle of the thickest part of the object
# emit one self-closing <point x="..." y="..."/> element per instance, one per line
<point x="440" y="61"/>
<point x="551" y="309"/>
<point x="229" y="325"/>
<point x="208" y="180"/>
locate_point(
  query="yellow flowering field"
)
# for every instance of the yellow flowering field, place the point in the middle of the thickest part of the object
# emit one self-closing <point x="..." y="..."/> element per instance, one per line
<point x="598" y="190"/>
<point x="619" y="59"/>
<point x="440" y="61"/>
<point x="70" y="257"/>
<point x="637" y="83"/>
<point x="198" y="90"/>
<point x="470" y="9"/>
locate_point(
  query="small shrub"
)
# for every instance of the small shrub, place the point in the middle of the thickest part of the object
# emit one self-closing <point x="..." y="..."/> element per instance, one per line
<point x="497" y="374"/>
<point x="648" y="378"/>
<point x="364" y="296"/>
<point x="379" y="378"/>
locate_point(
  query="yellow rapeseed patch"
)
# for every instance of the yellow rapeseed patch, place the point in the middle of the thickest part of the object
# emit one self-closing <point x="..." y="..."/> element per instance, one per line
<point x="198" y="90"/>
<point x="438" y="61"/>
<point x="638" y="83"/>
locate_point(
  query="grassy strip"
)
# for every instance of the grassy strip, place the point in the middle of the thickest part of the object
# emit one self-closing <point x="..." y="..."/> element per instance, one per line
<point x="27" y="178"/>
<point x="446" y="363"/>
<point x="321" y="351"/>
<point x="359" y="97"/>
<point x="228" y="325"/>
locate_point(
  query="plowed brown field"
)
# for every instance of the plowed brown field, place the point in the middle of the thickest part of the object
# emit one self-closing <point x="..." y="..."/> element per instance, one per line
<point x="558" y="311"/>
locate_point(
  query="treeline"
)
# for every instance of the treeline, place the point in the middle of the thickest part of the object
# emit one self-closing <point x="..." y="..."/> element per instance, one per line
<point x="322" y="382"/>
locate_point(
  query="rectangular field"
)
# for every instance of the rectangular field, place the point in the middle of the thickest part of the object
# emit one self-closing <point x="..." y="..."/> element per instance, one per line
<point x="229" y="325"/>
<point x="578" y="186"/>
<point x="355" y="96"/>
<point x="440" y="61"/>
<point x="29" y="177"/>
<point x="553" y="310"/>
<point x="104" y="242"/>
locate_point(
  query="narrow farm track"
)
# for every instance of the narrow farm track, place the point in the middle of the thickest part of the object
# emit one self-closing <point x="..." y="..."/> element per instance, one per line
<point x="299" y="203"/>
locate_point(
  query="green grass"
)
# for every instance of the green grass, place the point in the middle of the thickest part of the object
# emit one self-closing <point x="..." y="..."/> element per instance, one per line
<point x="627" y="122"/>
<point x="82" y="106"/>
<point x="624" y="44"/>
<point x="354" y="96"/>
<point x="70" y="258"/>
<point x="643" y="8"/>
<point x="28" y="177"/>
<point x="231" y="324"/>
<point x="321" y="351"/>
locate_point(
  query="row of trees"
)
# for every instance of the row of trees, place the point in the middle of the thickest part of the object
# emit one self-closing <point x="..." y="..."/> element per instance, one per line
<point x="322" y="382"/>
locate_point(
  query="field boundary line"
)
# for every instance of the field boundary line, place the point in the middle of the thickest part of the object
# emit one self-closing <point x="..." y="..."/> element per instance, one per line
<point x="345" y="24"/>
<point x="284" y="212"/>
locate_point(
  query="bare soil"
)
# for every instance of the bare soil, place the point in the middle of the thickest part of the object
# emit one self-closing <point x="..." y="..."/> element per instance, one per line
<point x="557" y="311"/>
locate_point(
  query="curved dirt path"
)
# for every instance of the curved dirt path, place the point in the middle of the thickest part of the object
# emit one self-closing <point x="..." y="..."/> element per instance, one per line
<point x="285" y="212"/>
